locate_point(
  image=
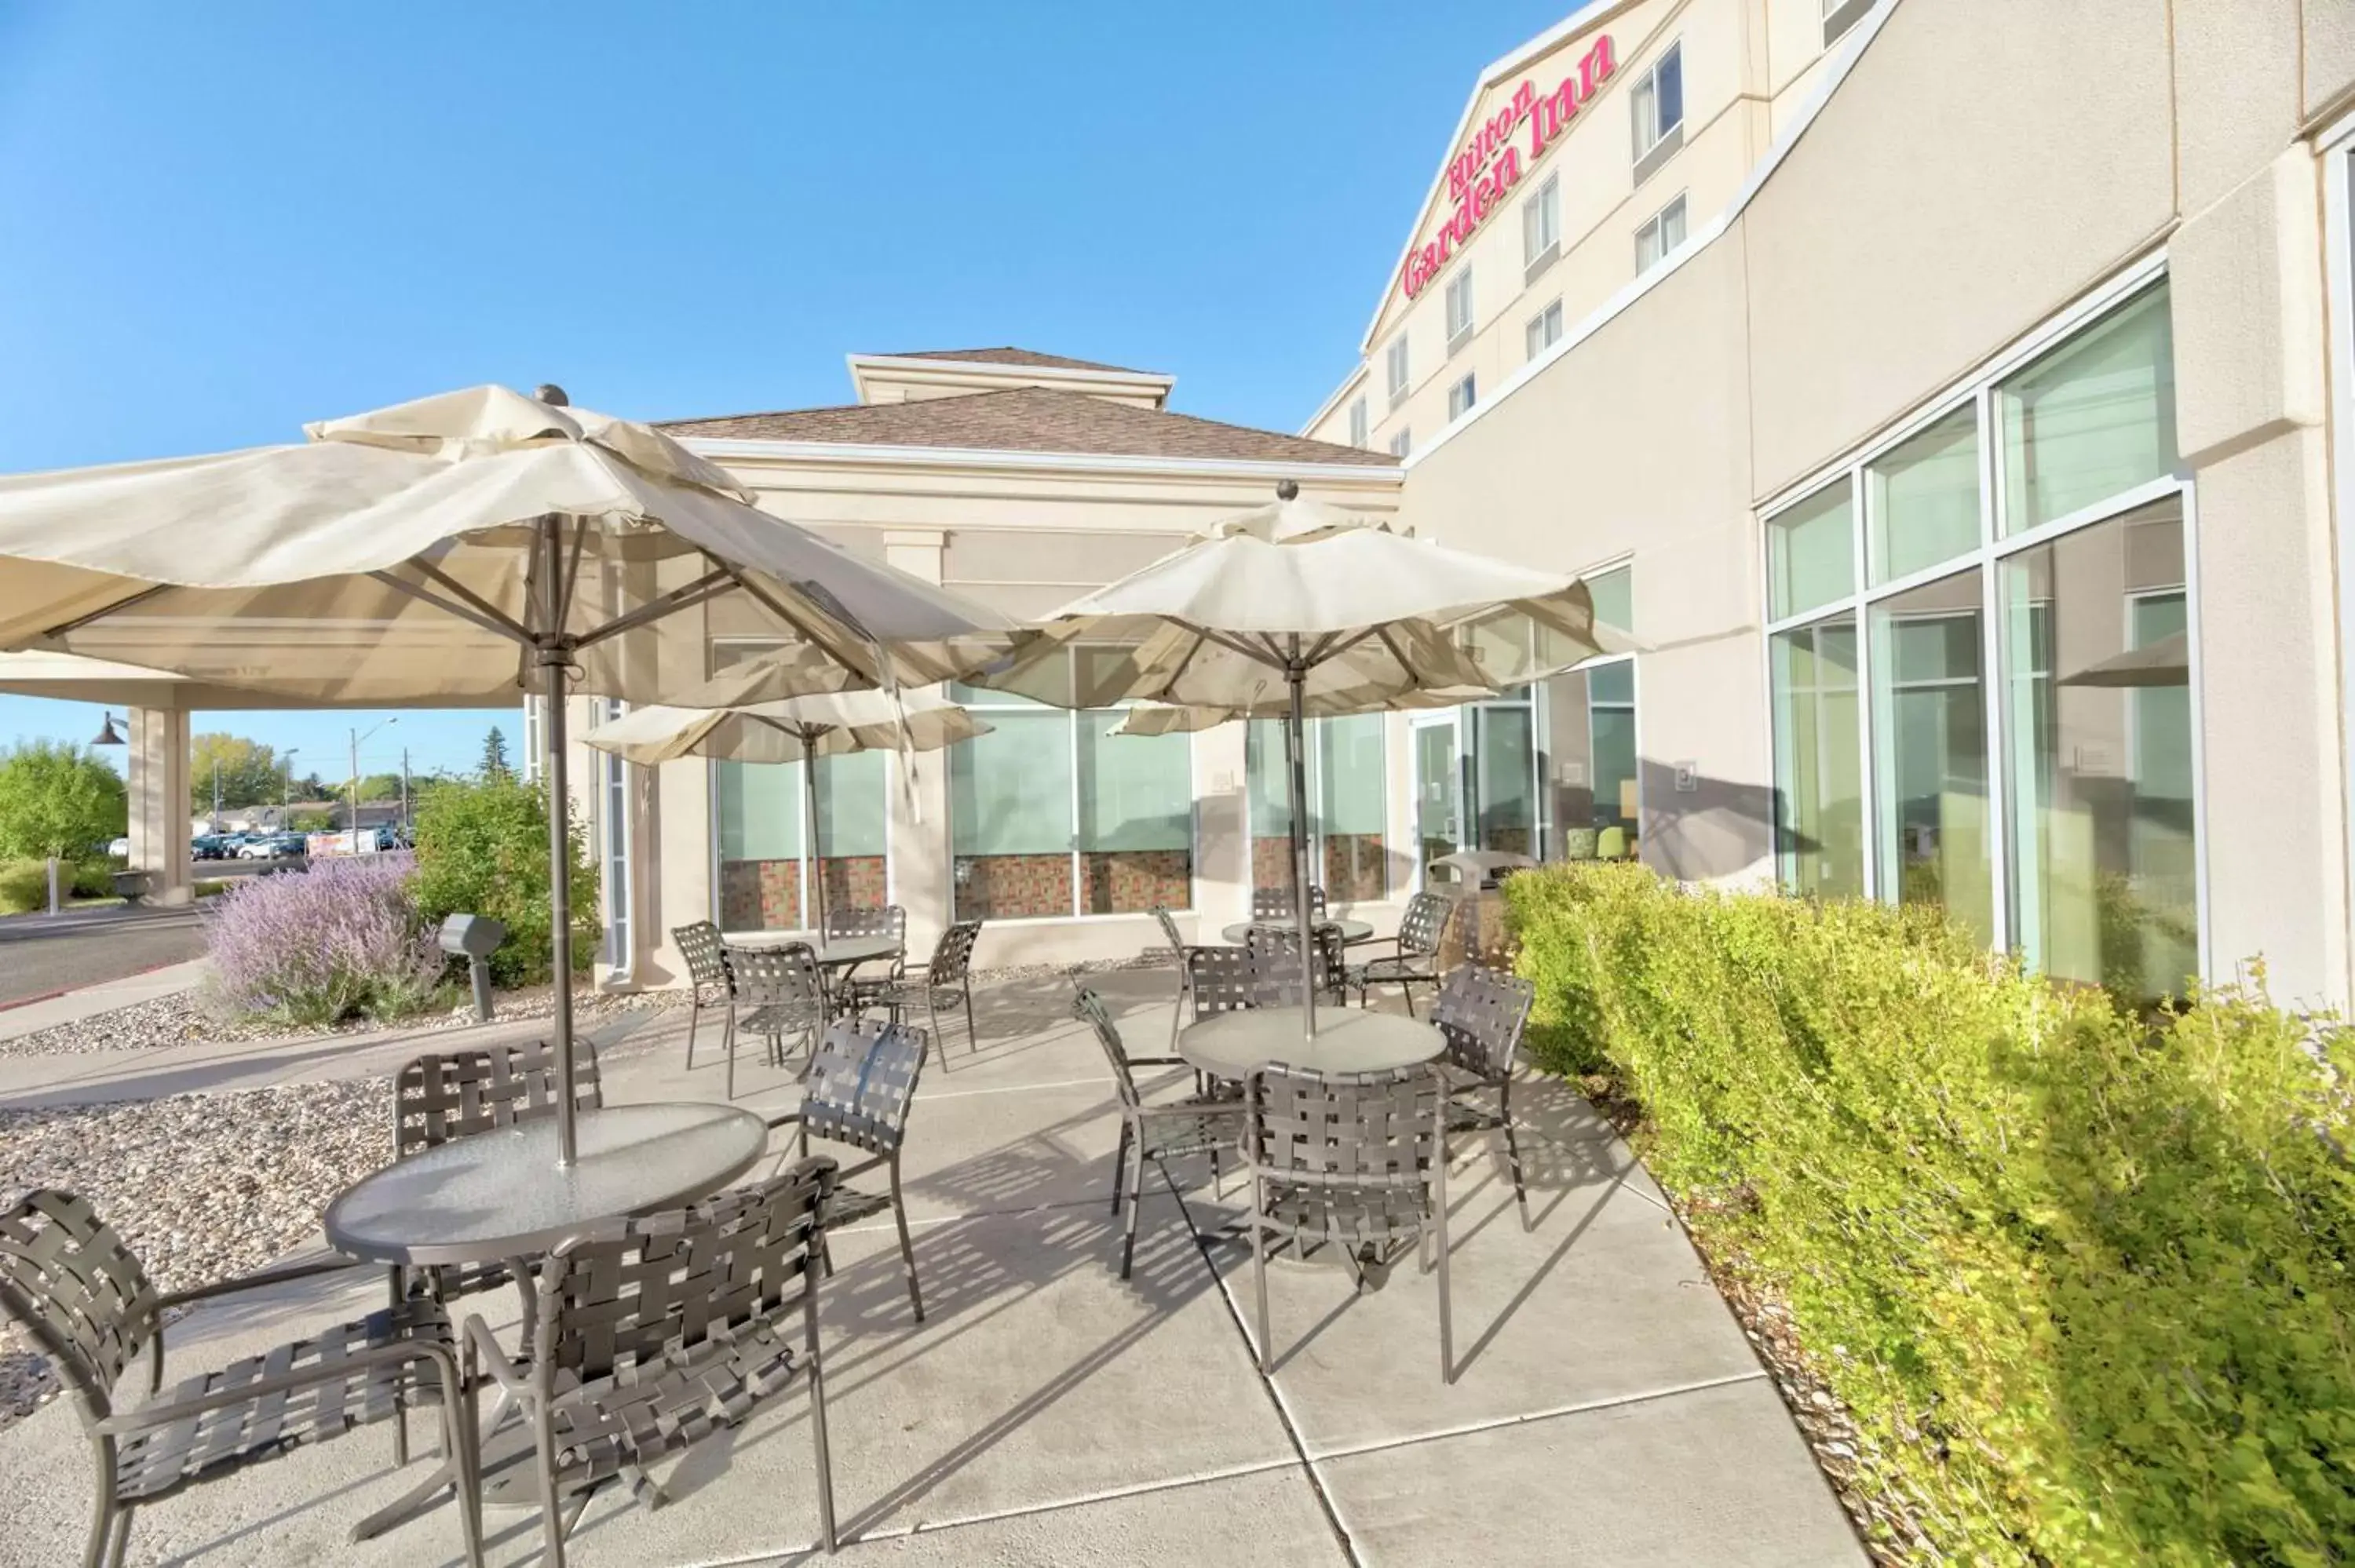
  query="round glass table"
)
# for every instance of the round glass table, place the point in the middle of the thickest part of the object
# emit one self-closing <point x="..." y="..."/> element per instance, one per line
<point x="833" y="952"/>
<point x="500" y="1194"/>
<point x="1351" y="930"/>
<point x="1347" y="1039"/>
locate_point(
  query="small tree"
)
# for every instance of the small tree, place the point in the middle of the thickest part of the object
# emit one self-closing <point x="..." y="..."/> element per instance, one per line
<point x="481" y="848"/>
<point x="57" y="798"/>
<point x="494" y="755"/>
<point x="248" y="771"/>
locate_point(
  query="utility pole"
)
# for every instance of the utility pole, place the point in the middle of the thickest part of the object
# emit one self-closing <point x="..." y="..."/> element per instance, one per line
<point x="355" y="822"/>
<point x="285" y="789"/>
<point x="404" y="791"/>
<point x="216" y="791"/>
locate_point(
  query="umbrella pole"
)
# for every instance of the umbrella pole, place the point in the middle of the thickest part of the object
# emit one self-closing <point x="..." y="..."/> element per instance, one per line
<point x="1296" y="748"/>
<point x="809" y="836"/>
<point x="553" y="659"/>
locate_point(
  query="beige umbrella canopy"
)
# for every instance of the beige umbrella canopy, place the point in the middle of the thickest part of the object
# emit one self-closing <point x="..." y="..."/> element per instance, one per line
<point x="442" y="552"/>
<point x="828" y="724"/>
<point x="1296" y="608"/>
<point x="2166" y="663"/>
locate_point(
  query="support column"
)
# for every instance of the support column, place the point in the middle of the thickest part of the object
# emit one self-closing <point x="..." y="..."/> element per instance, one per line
<point x="156" y="773"/>
<point x="921" y="864"/>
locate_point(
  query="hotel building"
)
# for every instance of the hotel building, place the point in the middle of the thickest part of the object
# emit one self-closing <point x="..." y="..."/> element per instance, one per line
<point x="1951" y="396"/>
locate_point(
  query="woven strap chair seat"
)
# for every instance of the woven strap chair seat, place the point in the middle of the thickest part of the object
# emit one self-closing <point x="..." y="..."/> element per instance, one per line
<point x="850" y="1205"/>
<point x="1463" y="1117"/>
<point x="782" y="1018"/>
<point x="1195" y="1126"/>
<point x="153" y="1463"/>
<point x="913" y="989"/>
<point x="1352" y="1217"/>
<point x="1412" y="966"/>
<point x="619" y="1424"/>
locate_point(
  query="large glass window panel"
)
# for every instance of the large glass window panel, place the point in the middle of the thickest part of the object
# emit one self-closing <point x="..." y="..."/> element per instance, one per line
<point x="1137" y="818"/>
<point x="852" y="796"/>
<point x="1930" y="765"/>
<point x="759" y="807"/>
<point x="1591" y="760"/>
<point x="1818" y="772"/>
<point x="1922" y="500"/>
<point x="1811" y="553"/>
<point x="1010" y="816"/>
<point x="1351" y="758"/>
<point x="1614" y="593"/>
<point x="1503" y="775"/>
<point x="2094" y="418"/>
<point x="2098" y="740"/>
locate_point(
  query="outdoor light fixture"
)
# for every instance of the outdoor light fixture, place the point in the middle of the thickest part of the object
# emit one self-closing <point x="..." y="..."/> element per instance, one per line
<point x="108" y="735"/>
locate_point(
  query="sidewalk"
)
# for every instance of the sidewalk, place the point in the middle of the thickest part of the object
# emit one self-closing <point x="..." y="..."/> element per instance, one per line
<point x="45" y="1012"/>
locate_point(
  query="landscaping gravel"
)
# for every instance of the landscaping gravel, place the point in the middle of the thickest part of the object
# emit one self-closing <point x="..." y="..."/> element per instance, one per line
<point x="182" y="1018"/>
<point x="202" y="1187"/>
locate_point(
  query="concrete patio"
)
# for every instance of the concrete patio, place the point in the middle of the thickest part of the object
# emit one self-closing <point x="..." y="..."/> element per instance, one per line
<point x="1607" y="1409"/>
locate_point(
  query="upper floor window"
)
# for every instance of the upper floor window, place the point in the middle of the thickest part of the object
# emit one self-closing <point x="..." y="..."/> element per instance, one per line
<point x="1541" y="227"/>
<point x="1661" y="233"/>
<point x="1659" y="106"/>
<point x="1839" y="16"/>
<point x="1459" y="309"/>
<point x="1358" y="423"/>
<point x="1402" y="442"/>
<point x="1395" y="366"/>
<point x="1544" y="328"/>
<point x="1460" y="398"/>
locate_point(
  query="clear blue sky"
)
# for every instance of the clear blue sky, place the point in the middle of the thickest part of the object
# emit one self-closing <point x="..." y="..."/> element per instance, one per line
<point x="222" y="220"/>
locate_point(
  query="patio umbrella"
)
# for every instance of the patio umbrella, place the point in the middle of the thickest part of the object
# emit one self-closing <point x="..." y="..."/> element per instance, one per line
<point x="2166" y="663"/>
<point x="797" y="730"/>
<point x="442" y="552"/>
<point x="1293" y="608"/>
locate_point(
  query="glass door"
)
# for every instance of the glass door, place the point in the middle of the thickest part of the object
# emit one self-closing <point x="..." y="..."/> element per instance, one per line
<point x="1438" y="789"/>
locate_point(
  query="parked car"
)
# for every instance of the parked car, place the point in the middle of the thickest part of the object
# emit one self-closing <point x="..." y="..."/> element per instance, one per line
<point x="211" y="846"/>
<point x="272" y="846"/>
<point x="120" y="849"/>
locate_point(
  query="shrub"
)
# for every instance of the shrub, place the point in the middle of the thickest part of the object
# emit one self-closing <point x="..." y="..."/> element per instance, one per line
<point x="59" y="800"/>
<point x="481" y="848"/>
<point x="341" y="940"/>
<point x="24" y="886"/>
<point x="2082" y="1278"/>
<point x="92" y="878"/>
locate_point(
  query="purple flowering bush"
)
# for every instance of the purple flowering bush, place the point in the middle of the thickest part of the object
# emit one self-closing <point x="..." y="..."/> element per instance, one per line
<point x="344" y="939"/>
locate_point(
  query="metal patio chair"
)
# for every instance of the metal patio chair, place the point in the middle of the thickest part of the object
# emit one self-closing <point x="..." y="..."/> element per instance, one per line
<point x="654" y="1332"/>
<point x="852" y="995"/>
<point x="1178" y="949"/>
<point x="1356" y="1161"/>
<point x="780" y="990"/>
<point x="66" y="1277"/>
<point x="1413" y="960"/>
<point x="445" y="1095"/>
<point x="943" y="981"/>
<point x="707" y="970"/>
<point x="1480" y="1014"/>
<point x="862" y="1082"/>
<point x="1277" y="902"/>
<point x="1226" y="979"/>
<point x="1197" y="1125"/>
<point x="1276" y="950"/>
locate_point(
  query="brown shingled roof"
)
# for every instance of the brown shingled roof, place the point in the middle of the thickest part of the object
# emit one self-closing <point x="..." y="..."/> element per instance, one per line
<point x="1015" y="356"/>
<point x="1030" y="419"/>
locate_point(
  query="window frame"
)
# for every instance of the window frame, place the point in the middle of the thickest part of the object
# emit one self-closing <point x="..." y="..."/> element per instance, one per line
<point x="1459" y="292"/>
<point x="1398" y="370"/>
<point x="1542" y="219"/>
<point x="1361" y="426"/>
<point x="1839" y="16"/>
<point x="1402" y="442"/>
<point x="1656" y="225"/>
<point x="1986" y="558"/>
<point x="617" y="850"/>
<point x="1462" y="396"/>
<point x="1543" y="330"/>
<point x="1656" y="143"/>
<point x="1073" y="717"/>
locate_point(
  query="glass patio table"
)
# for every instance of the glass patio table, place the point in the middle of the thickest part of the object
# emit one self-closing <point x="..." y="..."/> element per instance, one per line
<point x="1348" y="1040"/>
<point x="1351" y="930"/>
<point x="832" y="952"/>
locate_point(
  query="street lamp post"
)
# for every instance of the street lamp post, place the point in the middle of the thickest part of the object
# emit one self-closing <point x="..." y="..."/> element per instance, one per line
<point x="286" y="787"/>
<point x="356" y="739"/>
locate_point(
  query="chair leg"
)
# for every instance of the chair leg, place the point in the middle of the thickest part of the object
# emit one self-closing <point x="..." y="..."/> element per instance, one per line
<point x="694" y="1017"/>
<point x="121" y="1543"/>
<point x="1259" y="1276"/>
<point x="458" y="1446"/>
<point x="1136" y="1200"/>
<point x="729" y="1044"/>
<point x="1446" y="1322"/>
<point x="551" y="1505"/>
<point x="399" y="1403"/>
<point x="1512" y="1145"/>
<point x="972" y="1034"/>
<point x="99" y="1550"/>
<point x="1119" y="1168"/>
<point x="817" y="1419"/>
<point x="907" y="1248"/>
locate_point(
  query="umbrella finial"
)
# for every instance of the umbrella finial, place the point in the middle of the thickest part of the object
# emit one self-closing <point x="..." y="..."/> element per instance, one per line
<point x="552" y="395"/>
<point x="1287" y="490"/>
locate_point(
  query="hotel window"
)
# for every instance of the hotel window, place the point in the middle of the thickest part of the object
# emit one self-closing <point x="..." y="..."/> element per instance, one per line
<point x="1359" y="426"/>
<point x="1657" y="104"/>
<point x="1395" y="368"/>
<point x="2023" y="715"/>
<point x="1052" y="814"/>
<point x="1348" y="809"/>
<point x="535" y="741"/>
<point x="1459" y="309"/>
<point x="763" y="872"/>
<point x="1543" y="330"/>
<point x="1541" y="228"/>
<point x="1402" y="442"/>
<point x="614" y="814"/>
<point x="1661" y="234"/>
<point x="1460" y="398"/>
<point x="1588" y="755"/>
<point x="1839" y="16"/>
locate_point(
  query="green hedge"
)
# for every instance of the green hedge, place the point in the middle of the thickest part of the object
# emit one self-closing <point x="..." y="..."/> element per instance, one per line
<point x="481" y="848"/>
<point x="2083" y="1279"/>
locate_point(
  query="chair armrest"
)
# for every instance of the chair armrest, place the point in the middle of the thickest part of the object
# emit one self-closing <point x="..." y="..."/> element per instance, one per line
<point x="787" y="1120"/>
<point x="267" y="1276"/>
<point x="172" y="1412"/>
<point x="1159" y="1062"/>
<point x="481" y="1343"/>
